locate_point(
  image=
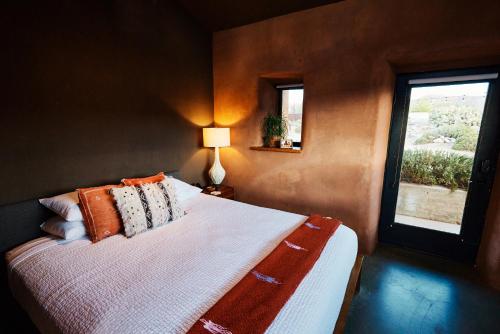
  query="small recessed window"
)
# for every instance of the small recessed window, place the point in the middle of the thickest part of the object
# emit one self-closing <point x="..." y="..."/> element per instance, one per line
<point x="291" y="99"/>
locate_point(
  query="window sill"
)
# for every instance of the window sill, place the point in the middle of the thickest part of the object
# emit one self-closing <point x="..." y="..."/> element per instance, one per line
<point x="276" y="149"/>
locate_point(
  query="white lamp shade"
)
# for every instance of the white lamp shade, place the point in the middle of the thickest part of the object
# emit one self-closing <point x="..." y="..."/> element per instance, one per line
<point x="216" y="137"/>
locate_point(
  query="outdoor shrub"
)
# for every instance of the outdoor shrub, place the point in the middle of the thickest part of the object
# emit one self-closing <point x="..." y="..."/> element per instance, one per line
<point x="465" y="136"/>
<point x="456" y="131"/>
<point x="455" y="114"/>
<point x="466" y="140"/>
<point x="441" y="168"/>
<point x="420" y="105"/>
<point x="427" y="137"/>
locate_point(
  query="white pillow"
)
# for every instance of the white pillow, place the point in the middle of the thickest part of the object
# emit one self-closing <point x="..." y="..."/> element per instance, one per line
<point x="65" y="205"/>
<point x="63" y="229"/>
<point x="184" y="191"/>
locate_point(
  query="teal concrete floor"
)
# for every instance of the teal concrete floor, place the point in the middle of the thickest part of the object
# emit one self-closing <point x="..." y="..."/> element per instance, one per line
<point x="405" y="292"/>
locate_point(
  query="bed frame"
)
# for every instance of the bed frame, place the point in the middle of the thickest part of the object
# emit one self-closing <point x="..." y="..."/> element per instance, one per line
<point x="353" y="287"/>
<point x="19" y="223"/>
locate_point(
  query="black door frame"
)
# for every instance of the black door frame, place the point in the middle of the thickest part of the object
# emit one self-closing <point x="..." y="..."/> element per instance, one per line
<point x="464" y="246"/>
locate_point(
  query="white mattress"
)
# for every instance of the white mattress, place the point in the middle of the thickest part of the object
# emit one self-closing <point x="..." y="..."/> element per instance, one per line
<point x="162" y="281"/>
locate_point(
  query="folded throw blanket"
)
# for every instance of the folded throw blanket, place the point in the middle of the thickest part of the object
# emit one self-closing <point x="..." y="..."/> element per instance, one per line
<point x="253" y="303"/>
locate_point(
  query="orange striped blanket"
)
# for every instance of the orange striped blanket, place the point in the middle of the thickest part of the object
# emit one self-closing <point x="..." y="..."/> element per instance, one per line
<point x="252" y="304"/>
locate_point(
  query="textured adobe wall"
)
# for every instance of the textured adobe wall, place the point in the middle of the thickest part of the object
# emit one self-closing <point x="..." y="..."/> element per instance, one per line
<point x="93" y="91"/>
<point x="347" y="53"/>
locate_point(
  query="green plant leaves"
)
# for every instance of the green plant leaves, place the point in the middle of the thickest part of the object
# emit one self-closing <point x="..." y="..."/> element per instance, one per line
<point x="274" y="126"/>
<point x="465" y="136"/>
<point x="441" y="168"/>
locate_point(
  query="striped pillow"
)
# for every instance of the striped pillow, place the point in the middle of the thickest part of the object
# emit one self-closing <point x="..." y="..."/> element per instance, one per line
<point x="147" y="206"/>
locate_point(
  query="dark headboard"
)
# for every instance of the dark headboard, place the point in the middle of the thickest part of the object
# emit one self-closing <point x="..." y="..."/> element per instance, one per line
<point x="20" y="222"/>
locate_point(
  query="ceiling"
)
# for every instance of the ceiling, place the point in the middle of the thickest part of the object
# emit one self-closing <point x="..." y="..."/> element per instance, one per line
<point x="224" y="14"/>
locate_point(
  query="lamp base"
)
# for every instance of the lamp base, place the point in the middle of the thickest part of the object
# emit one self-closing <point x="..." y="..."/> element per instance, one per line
<point x="217" y="173"/>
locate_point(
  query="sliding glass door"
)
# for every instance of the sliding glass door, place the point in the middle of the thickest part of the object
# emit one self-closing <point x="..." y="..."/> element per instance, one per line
<point x="442" y="155"/>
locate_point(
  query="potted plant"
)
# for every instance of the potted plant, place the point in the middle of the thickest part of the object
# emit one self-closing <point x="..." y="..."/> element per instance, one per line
<point x="274" y="128"/>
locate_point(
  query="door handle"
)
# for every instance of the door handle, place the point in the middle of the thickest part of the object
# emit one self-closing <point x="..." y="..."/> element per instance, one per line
<point x="485" y="166"/>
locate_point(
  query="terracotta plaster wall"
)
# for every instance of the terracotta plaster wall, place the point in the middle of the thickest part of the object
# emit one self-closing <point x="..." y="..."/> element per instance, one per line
<point x="348" y="54"/>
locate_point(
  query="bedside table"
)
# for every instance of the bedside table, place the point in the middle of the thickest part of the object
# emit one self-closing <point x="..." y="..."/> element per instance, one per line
<point x="225" y="191"/>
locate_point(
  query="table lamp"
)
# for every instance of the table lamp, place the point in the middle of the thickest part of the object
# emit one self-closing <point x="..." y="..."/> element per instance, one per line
<point x="216" y="137"/>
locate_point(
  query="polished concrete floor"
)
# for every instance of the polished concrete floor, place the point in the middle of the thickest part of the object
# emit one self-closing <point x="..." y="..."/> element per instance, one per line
<point x="407" y="292"/>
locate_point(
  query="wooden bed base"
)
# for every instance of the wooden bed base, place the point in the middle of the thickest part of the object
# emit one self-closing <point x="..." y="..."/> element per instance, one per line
<point x="352" y="288"/>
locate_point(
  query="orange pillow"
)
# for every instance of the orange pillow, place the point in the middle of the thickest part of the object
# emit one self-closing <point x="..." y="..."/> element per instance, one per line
<point x="150" y="179"/>
<point x="100" y="215"/>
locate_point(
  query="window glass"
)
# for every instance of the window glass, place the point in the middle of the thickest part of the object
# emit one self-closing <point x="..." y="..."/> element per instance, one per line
<point x="291" y="111"/>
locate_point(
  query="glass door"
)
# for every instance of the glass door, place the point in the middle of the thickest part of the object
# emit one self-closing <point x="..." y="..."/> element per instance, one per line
<point x="442" y="154"/>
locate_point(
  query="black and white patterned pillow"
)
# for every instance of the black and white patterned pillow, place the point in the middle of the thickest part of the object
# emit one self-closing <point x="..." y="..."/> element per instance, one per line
<point x="147" y="206"/>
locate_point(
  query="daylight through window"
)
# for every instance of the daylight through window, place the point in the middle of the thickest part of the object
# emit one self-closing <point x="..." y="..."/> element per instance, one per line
<point x="291" y="110"/>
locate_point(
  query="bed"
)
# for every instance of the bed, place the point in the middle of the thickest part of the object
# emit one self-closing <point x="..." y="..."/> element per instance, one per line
<point x="163" y="280"/>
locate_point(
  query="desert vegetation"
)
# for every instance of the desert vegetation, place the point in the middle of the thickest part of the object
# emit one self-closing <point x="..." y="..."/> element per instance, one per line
<point x="453" y="123"/>
<point x="447" y="169"/>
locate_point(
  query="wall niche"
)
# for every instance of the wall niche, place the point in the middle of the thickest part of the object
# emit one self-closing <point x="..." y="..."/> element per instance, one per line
<point x="280" y="105"/>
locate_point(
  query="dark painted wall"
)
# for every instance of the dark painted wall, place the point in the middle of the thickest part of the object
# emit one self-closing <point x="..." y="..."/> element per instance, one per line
<point x="93" y="91"/>
<point x="90" y="92"/>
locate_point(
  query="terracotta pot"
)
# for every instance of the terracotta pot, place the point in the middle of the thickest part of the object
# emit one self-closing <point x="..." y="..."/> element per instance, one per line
<point x="274" y="141"/>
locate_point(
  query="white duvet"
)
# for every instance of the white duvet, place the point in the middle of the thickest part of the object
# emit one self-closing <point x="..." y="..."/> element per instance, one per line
<point x="163" y="280"/>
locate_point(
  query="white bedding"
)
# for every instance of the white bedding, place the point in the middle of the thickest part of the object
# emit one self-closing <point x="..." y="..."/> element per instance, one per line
<point x="163" y="280"/>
